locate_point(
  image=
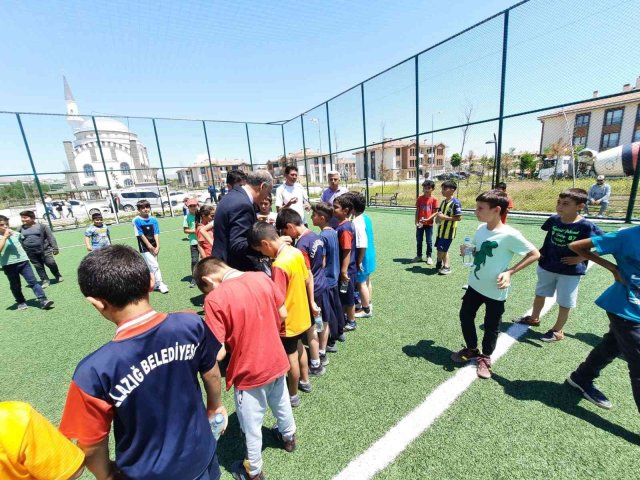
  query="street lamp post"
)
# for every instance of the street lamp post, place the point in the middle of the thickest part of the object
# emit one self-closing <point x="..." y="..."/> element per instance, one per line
<point x="317" y="122"/>
<point x="495" y="159"/>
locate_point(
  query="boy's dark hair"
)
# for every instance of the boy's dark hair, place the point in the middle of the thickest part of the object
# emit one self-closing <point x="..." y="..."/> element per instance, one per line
<point x="205" y="267"/>
<point x="4" y="219"/>
<point x="449" y="184"/>
<point x="96" y="215"/>
<point x="143" y="204"/>
<point x="323" y="209"/>
<point x="358" y="201"/>
<point x="287" y="216"/>
<point x="261" y="231"/>
<point x="495" y="198"/>
<point x="28" y="213"/>
<point x="429" y="183"/>
<point x="117" y="274"/>
<point x="501" y="185"/>
<point x="344" y="201"/>
<point x="288" y="169"/>
<point x="578" y="195"/>
<point x="269" y="198"/>
<point x="205" y="210"/>
<point x="236" y="177"/>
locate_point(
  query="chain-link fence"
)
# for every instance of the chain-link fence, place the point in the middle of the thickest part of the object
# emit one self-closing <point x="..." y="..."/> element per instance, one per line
<point x="542" y="96"/>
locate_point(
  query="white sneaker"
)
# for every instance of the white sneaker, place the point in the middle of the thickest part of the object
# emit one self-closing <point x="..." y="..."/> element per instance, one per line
<point x="429" y="261"/>
<point x="363" y="314"/>
<point x="162" y="288"/>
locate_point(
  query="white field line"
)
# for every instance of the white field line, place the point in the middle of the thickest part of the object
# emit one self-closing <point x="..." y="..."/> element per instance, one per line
<point x="115" y="239"/>
<point x="384" y="451"/>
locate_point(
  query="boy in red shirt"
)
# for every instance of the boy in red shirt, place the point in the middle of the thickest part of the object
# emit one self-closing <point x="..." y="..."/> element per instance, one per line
<point x="245" y="311"/>
<point x="426" y="209"/>
<point x="204" y="230"/>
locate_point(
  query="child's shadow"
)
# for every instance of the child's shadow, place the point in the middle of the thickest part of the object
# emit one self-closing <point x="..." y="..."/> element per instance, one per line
<point x="403" y="261"/>
<point x="564" y="398"/>
<point x="421" y="269"/>
<point x="32" y="302"/>
<point x="585" y="337"/>
<point x="432" y="353"/>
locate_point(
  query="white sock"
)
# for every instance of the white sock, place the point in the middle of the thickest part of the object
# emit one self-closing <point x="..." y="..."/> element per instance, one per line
<point x="315" y="363"/>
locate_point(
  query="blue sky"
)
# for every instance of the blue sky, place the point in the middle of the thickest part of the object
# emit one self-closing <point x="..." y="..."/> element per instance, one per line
<point x="266" y="61"/>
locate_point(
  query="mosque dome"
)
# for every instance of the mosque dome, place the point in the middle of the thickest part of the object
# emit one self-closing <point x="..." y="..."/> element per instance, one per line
<point x="104" y="124"/>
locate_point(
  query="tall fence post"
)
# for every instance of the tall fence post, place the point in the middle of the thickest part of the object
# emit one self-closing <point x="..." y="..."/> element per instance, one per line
<point x="417" y="131"/>
<point x="634" y="193"/>
<point x="284" y="145"/>
<point x="246" y="129"/>
<point x="326" y="105"/>
<point x="35" y="172"/>
<point x="366" y="155"/>
<point x="206" y="140"/>
<point x="505" y="37"/>
<point x="104" y="166"/>
<point x="155" y="132"/>
<point x="304" y="152"/>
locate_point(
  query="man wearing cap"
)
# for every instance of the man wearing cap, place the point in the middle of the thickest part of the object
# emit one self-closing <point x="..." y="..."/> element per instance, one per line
<point x="189" y="228"/>
<point x="599" y="194"/>
<point x="334" y="190"/>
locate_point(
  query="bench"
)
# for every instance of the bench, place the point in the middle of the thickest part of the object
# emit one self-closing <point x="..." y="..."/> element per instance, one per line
<point x="387" y="200"/>
<point x="617" y="207"/>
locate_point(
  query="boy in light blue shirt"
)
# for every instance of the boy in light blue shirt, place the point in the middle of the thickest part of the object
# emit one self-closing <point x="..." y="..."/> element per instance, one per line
<point x="621" y="302"/>
<point x="97" y="236"/>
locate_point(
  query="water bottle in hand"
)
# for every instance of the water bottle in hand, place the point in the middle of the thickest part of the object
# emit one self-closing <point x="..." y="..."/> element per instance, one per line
<point x="317" y="322"/>
<point x="217" y="423"/>
<point x="467" y="252"/>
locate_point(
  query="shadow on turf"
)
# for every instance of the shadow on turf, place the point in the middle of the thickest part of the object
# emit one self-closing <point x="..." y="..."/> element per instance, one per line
<point x="403" y="261"/>
<point x="588" y="338"/>
<point x="562" y="397"/>
<point x="432" y="353"/>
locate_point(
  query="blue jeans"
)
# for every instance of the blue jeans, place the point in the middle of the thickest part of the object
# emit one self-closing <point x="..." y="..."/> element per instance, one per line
<point x="426" y="231"/>
<point x="623" y="338"/>
<point x="603" y="207"/>
<point x="13" y="273"/>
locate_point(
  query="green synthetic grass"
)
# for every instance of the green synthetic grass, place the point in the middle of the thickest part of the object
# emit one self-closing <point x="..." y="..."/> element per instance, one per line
<point x="524" y="423"/>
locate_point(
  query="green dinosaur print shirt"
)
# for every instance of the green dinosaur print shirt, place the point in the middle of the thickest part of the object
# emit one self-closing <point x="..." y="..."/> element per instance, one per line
<point x="493" y="255"/>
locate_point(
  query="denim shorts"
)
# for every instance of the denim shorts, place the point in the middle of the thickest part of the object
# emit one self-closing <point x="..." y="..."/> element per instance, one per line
<point x="564" y="286"/>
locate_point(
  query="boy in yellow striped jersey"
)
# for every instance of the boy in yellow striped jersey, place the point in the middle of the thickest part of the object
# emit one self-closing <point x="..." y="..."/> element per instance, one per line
<point x="448" y="216"/>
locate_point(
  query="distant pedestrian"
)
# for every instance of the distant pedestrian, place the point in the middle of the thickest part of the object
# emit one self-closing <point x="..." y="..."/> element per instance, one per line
<point x="67" y="204"/>
<point x="212" y="193"/>
<point x="48" y="206"/>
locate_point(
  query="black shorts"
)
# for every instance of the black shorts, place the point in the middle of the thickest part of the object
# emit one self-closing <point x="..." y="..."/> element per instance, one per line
<point x="290" y="344"/>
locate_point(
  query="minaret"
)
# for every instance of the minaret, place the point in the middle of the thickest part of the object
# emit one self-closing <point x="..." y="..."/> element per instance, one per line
<point x="72" y="108"/>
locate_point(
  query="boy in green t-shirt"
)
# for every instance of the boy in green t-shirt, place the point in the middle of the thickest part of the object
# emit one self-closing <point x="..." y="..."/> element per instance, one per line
<point x="189" y="227"/>
<point x="14" y="262"/>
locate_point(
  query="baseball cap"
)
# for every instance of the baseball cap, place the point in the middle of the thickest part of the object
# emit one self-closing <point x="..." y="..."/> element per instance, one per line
<point x="192" y="201"/>
<point x="600" y="177"/>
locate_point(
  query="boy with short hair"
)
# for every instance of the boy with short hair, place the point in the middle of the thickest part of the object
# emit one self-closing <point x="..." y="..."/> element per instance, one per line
<point x="490" y="278"/>
<point x="97" y="236"/>
<point x="366" y="256"/>
<point x="342" y="209"/>
<point x="15" y="262"/>
<point x="245" y="311"/>
<point x="426" y="209"/>
<point x="145" y="380"/>
<point x="559" y="269"/>
<point x="147" y="231"/>
<point x="621" y="302"/>
<point x="32" y="448"/>
<point x="448" y="216"/>
<point x="321" y="218"/>
<point x="189" y="228"/>
<point x="289" y="222"/>
<point x="290" y="273"/>
<point x="503" y="188"/>
<point x="41" y="246"/>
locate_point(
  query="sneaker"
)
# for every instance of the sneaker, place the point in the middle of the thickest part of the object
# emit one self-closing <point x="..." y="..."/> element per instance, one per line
<point x="162" y="288"/>
<point x="289" y="445"/>
<point x="324" y="361"/>
<point x="429" y="261"/>
<point x="590" y="392"/>
<point x="342" y="338"/>
<point x="317" y="371"/>
<point x="46" y="304"/>
<point x="528" y="320"/>
<point x="304" y="387"/>
<point x="350" y="326"/>
<point x="364" y="313"/>
<point x="438" y="265"/>
<point x="295" y="401"/>
<point x="484" y="366"/>
<point x="444" y="271"/>
<point x="22" y="306"/>
<point x="60" y="279"/>
<point x="465" y="355"/>
<point x="552" y="336"/>
<point x="238" y="472"/>
<point x="45" y="283"/>
<point x="192" y="284"/>
<point x="331" y="349"/>
<point x="417" y="259"/>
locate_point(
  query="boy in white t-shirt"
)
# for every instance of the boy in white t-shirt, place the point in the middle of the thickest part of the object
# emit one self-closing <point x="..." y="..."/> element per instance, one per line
<point x="490" y="277"/>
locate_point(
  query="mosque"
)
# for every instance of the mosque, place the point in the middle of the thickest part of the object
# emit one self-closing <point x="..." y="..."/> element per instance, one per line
<point x="125" y="157"/>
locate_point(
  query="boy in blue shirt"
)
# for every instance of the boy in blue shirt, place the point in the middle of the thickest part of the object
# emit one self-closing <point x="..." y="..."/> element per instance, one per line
<point x="559" y="269"/>
<point x="321" y="218"/>
<point x="147" y="231"/>
<point x="366" y="256"/>
<point x="621" y="302"/>
<point x="97" y="236"/>
<point x="342" y="210"/>
<point x="144" y="381"/>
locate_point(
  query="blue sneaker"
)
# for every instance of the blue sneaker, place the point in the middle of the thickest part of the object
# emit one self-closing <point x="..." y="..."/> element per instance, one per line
<point x="350" y="326"/>
<point x="590" y="392"/>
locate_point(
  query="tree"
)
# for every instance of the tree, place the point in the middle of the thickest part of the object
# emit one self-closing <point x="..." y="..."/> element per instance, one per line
<point x="456" y="160"/>
<point x="528" y="163"/>
<point x="467" y="111"/>
<point x="557" y="150"/>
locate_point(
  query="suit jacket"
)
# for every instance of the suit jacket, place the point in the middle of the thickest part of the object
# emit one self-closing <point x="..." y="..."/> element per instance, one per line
<point x="235" y="215"/>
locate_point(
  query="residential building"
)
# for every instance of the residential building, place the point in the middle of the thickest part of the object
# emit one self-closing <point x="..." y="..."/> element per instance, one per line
<point x="200" y="174"/>
<point x="598" y="124"/>
<point x="319" y="164"/>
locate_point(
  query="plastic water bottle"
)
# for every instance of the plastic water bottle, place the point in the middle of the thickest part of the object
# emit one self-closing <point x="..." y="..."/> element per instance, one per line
<point x="467" y="252"/>
<point x="344" y="287"/>
<point x="217" y="423"/>
<point x="317" y="322"/>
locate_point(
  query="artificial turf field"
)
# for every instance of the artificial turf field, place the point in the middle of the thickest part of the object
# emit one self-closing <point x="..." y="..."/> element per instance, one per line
<point x="523" y="423"/>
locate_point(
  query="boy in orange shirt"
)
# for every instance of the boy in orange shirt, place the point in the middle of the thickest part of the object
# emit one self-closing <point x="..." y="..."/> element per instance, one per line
<point x="290" y="273"/>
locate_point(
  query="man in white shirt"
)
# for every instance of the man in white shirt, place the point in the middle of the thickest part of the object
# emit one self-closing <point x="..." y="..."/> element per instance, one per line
<point x="291" y="194"/>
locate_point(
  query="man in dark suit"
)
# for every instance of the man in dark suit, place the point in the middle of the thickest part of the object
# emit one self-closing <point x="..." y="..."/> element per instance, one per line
<point x="235" y="215"/>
